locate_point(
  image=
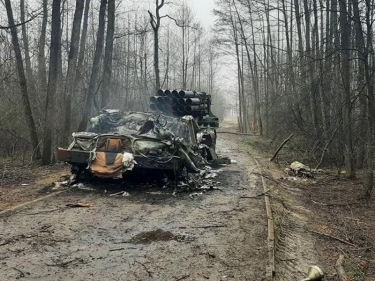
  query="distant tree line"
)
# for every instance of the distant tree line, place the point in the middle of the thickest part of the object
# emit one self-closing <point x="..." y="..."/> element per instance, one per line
<point x="306" y="67"/>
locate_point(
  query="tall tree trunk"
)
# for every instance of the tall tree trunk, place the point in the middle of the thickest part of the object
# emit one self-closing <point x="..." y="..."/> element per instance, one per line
<point x="82" y="44"/>
<point x="361" y="77"/>
<point x="107" y="68"/>
<point x="55" y="48"/>
<point x="370" y="150"/>
<point x="325" y="79"/>
<point x="23" y="82"/>
<point x="95" y="68"/>
<point x="165" y="83"/>
<point x="256" y="77"/>
<point x="127" y="70"/>
<point x="302" y="85"/>
<point x="288" y="42"/>
<point x="183" y="84"/>
<point x="316" y="85"/>
<point x="42" y="74"/>
<point x="252" y="66"/>
<point x="240" y="77"/>
<point x="25" y="39"/>
<point x="72" y="69"/>
<point x="345" y="75"/>
<point x="155" y="24"/>
<point x="310" y="69"/>
<point x="272" y="69"/>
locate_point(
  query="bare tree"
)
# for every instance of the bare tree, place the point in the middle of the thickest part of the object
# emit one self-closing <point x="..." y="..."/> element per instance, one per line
<point x="346" y="98"/>
<point x="93" y="84"/>
<point x="52" y="82"/>
<point x="25" y="40"/>
<point x="22" y="81"/>
<point x="107" y="67"/>
<point x="72" y="68"/>
<point x="155" y="24"/>
<point x="82" y="45"/>
<point x="42" y="74"/>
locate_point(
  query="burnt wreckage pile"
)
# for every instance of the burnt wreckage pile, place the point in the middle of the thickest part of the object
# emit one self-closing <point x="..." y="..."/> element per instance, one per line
<point x="178" y="136"/>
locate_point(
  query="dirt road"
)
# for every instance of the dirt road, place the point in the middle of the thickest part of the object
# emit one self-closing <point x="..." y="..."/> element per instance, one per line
<point x="148" y="235"/>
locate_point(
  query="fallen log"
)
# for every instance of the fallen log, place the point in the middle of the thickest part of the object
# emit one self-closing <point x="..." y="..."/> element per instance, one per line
<point x="281" y="146"/>
<point x="209" y="226"/>
<point x="12" y="209"/>
<point x="270" y="268"/>
<point x="335" y="238"/>
<point x="258" y="195"/>
<point x="340" y="269"/>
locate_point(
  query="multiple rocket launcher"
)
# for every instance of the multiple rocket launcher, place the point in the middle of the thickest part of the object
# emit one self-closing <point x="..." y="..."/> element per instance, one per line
<point x="179" y="103"/>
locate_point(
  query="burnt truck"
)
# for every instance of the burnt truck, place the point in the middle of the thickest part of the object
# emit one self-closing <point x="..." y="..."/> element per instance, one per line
<point x="177" y="136"/>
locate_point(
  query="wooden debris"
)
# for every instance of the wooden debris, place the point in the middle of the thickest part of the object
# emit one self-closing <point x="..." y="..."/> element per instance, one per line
<point x="258" y="195"/>
<point x="80" y="204"/>
<point x="281" y="146"/>
<point x="209" y="226"/>
<point x="270" y="268"/>
<point x="333" y="237"/>
<point x="340" y="269"/>
<point x="117" y="249"/>
<point x="12" y="209"/>
<point x="203" y="275"/>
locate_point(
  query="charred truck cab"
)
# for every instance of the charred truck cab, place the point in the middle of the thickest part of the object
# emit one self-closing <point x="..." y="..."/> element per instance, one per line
<point x="179" y="135"/>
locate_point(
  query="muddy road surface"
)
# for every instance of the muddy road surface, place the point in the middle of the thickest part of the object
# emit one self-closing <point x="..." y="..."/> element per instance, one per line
<point x="150" y="234"/>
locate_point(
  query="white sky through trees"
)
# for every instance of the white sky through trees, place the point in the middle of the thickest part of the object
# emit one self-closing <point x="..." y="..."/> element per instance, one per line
<point x="203" y="10"/>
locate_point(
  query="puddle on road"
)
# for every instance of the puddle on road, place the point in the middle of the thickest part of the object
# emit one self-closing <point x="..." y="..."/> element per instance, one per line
<point x="153" y="236"/>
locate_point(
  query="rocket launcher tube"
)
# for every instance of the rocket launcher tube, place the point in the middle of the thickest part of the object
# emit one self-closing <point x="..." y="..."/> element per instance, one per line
<point x="181" y="101"/>
<point x="186" y="94"/>
<point x="160" y="99"/>
<point x="161" y="92"/>
<point x="191" y="101"/>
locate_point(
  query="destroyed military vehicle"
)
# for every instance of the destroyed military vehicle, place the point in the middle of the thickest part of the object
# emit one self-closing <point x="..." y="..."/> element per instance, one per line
<point x="175" y="141"/>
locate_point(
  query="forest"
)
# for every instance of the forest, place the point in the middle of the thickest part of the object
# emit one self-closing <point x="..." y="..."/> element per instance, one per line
<point x="306" y="67"/>
<point x="302" y="67"/>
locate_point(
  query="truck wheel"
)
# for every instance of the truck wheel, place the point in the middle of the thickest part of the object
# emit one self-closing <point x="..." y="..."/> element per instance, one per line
<point x="81" y="173"/>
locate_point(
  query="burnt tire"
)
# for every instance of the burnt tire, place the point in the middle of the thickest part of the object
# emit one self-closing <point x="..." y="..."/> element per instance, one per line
<point x="81" y="173"/>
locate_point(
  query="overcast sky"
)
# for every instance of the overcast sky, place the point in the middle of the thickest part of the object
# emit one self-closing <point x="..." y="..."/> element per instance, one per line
<point x="203" y="10"/>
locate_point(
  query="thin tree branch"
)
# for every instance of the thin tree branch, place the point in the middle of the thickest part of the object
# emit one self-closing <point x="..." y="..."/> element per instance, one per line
<point x="21" y="23"/>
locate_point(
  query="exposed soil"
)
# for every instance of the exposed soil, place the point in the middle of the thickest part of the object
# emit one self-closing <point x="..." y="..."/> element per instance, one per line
<point x="318" y="219"/>
<point x="151" y="234"/>
<point x="21" y="183"/>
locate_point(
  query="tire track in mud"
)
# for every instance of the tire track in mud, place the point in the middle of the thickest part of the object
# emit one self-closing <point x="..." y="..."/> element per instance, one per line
<point x="270" y="270"/>
<point x="254" y="172"/>
<point x="294" y="245"/>
<point x="25" y="204"/>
